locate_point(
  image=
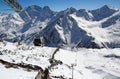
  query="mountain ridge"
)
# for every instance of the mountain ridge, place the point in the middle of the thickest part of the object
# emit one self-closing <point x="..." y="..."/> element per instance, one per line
<point x="70" y="27"/>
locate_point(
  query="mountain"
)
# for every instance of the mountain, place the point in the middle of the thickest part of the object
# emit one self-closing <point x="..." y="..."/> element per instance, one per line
<point x="102" y="12"/>
<point x="74" y="28"/>
<point x="37" y="13"/>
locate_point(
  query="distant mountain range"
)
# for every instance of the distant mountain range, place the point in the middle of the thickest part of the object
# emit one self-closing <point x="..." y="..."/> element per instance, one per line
<point x="74" y="28"/>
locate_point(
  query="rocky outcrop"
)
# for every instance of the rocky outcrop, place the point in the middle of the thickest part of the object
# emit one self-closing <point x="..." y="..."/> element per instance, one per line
<point x="28" y="67"/>
<point x="43" y="74"/>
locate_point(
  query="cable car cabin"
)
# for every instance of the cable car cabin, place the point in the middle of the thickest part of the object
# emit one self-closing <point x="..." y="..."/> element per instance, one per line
<point x="39" y="41"/>
<point x="14" y="5"/>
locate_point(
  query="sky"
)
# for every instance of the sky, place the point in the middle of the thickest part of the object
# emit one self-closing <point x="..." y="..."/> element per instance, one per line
<point x="58" y="5"/>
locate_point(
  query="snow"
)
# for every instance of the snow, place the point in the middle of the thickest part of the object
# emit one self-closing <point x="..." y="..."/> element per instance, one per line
<point x="70" y="26"/>
<point x="60" y="31"/>
<point x="89" y="63"/>
<point x="102" y="34"/>
<point x="15" y="73"/>
<point x="18" y="20"/>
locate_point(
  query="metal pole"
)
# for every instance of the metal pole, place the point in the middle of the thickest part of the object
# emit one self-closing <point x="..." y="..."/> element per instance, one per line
<point x="72" y="71"/>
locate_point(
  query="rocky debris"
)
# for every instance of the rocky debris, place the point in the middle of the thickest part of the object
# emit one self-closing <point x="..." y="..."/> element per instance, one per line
<point x="28" y="67"/>
<point x="43" y="74"/>
<point x="59" y="77"/>
<point x="112" y="56"/>
<point x="39" y="41"/>
<point x="53" y="61"/>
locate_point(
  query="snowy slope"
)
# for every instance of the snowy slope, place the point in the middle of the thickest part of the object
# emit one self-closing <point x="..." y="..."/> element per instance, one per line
<point x="102" y="12"/>
<point x="15" y="73"/>
<point x="9" y="25"/>
<point x="106" y="31"/>
<point x="90" y="63"/>
<point x="70" y="27"/>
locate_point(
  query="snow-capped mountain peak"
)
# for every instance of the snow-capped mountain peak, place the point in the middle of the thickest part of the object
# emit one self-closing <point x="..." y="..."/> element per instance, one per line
<point x="102" y="12"/>
<point x="46" y="8"/>
<point x="70" y="10"/>
<point x="70" y="27"/>
<point x="35" y="11"/>
<point x="105" y="7"/>
<point x="86" y="14"/>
